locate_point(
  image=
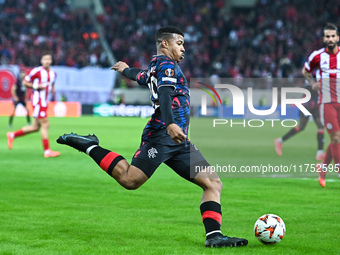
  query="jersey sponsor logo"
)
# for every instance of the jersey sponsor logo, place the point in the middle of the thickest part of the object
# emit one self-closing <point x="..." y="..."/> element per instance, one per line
<point x="169" y="79"/>
<point x="152" y="152"/>
<point x="330" y="71"/>
<point x="169" y="72"/>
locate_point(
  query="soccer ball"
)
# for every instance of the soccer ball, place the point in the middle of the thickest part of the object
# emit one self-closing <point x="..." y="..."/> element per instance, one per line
<point x="269" y="229"/>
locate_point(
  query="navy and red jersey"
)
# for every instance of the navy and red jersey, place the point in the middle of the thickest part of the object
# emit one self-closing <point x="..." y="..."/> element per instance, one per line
<point x="20" y="90"/>
<point x="313" y="102"/>
<point x="163" y="71"/>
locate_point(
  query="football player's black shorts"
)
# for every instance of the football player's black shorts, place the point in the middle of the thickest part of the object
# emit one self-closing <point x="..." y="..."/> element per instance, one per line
<point x="20" y="101"/>
<point x="157" y="147"/>
<point x="314" y="111"/>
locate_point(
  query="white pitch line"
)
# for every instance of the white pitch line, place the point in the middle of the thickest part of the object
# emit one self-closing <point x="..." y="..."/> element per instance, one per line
<point x="313" y="179"/>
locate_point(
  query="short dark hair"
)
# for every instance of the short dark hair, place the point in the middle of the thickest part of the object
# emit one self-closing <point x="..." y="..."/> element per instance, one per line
<point x="166" y="33"/>
<point x="46" y="53"/>
<point x="330" y="26"/>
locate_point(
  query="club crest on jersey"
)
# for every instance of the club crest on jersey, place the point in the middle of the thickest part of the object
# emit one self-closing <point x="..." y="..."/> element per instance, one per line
<point x="169" y="72"/>
<point x="152" y="152"/>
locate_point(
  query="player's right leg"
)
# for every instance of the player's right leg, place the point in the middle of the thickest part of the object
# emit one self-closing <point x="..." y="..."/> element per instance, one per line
<point x="44" y="124"/>
<point x="21" y="132"/>
<point x="211" y="211"/>
<point x="278" y="142"/>
<point x="185" y="164"/>
<point x="128" y="176"/>
<point x="28" y="117"/>
<point x="10" y="122"/>
<point x="330" y="118"/>
<point x="320" y="154"/>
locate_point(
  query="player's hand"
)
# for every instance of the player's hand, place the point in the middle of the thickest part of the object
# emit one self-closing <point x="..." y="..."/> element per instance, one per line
<point x="41" y="86"/>
<point x="176" y="133"/>
<point x="120" y="66"/>
<point x="316" y="86"/>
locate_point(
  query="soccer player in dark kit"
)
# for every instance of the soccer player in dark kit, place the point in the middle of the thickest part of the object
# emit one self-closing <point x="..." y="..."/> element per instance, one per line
<point x="19" y="97"/>
<point x="164" y="139"/>
<point x="313" y="107"/>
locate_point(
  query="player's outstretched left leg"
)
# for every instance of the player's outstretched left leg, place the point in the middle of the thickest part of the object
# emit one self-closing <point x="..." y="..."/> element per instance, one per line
<point x="79" y="142"/>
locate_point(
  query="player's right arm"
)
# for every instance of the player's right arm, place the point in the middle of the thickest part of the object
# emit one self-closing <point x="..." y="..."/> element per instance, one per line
<point x="310" y="65"/>
<point x="166" y="83"/>
<point x="309" y="77"/>
<point x="28" y="80"/>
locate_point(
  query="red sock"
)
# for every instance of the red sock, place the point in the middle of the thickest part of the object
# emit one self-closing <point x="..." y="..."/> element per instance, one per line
<point x="328" y="157"/>
<point x="212" y="218"/>
<point x="18" y="133"/>
<point x="46" y="144"/>
<point x="336" y="152"/>
<point x="107" y="160"/>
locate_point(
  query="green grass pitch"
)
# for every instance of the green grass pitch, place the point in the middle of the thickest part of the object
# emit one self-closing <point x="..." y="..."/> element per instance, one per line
<point x="68" y="205"/>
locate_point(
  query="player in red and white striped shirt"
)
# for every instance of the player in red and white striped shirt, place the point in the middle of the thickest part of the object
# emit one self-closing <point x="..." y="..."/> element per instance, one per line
<point x="40" y="79"/>
<point x="326" y="62"/>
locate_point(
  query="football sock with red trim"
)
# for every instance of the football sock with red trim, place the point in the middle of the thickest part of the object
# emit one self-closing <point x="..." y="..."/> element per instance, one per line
<point x="290" y="133"/>
<point x="11" y="120"/>
<point x="328" y="157"/>
<point x="18" y="133"/>
<point x="45" y="144"/>
<point x="212" y="218"/>
<point x="320" y="137"/>
<point x="107" y="160"/>
<point x="28" y="119"/>
<point x="336" y="153"/>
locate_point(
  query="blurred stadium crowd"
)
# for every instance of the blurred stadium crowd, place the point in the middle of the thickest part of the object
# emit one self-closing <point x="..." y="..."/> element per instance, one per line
<point x="271" y="40"/>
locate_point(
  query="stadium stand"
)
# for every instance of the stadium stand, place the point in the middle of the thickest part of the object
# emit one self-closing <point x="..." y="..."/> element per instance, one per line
<point x="29" y="28"/>
<point x="270" y="40"/>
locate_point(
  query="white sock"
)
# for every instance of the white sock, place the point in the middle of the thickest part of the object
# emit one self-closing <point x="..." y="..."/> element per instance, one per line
<point x="89" y="149"/>
<point x="318" y="152"/>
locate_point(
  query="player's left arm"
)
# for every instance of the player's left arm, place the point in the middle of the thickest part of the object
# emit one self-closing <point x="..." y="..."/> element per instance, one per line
<point x="53" y="92"/>
<point x="14" y="93"/>
<point x="53" y="87"/>
<point x="132" y="73"/>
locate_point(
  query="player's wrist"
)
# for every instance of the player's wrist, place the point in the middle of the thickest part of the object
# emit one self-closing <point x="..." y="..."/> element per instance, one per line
<point x="171" y="123"/>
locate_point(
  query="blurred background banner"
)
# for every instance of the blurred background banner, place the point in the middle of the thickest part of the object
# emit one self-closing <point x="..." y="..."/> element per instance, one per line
<point x="86" y="85"/>
<point x="55" y="109"/>
<point x="8" y="76"/>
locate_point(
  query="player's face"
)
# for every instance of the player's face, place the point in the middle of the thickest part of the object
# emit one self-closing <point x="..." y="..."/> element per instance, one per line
<point x="46" y="61"/>
<point x="22" y="75"/>
<point x="331" y="39"/>
<point x="176" y="47"/>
